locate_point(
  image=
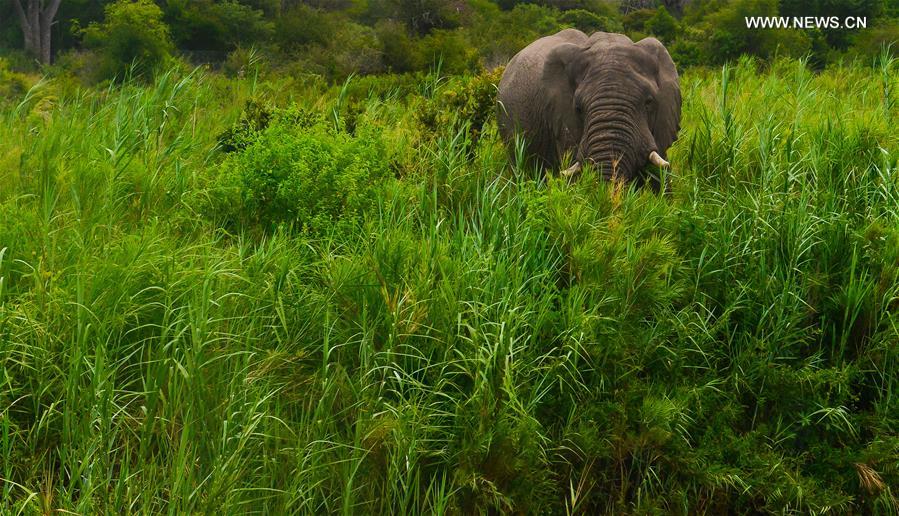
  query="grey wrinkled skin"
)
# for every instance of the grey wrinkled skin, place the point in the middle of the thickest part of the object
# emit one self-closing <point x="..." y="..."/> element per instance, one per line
<point x="602" y="99"/>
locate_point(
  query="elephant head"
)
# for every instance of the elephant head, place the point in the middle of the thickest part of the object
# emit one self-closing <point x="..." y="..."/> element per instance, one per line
<point x="617" y="102"/>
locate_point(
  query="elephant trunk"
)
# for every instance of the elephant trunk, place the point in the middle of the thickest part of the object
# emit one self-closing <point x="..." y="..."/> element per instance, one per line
<point x="612" y="140"/>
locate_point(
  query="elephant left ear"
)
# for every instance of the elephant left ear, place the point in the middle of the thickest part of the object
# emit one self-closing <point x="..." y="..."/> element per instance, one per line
<point x="667" y="118"/>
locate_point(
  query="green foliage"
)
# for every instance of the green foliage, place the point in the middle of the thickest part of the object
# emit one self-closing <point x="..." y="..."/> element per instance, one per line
<point x="304" y="25"/>
<point x="868" y="43"/>
<point x="329" y="45"/>
<point x="498" y="35"/>
<point x="635" y="21"/>
<point x="837" y="38"/>
<point x="466" y="103"/>
<point x="731" y="38"/>
<point x="208" y="25"/>
<point x="422" y="16"/>
<point x="688" y="50"/>
<point x="222" y="294"/>
<point x="589" y="22"/>
<point x="450" y="50"/>
<point x="336" y="38"/>
<point x="132" y="33"/>
<point x="400" y="52"/>
<point x="255" y="118"/>
<point x="12" y="84"/>
<point x="244" y="61"/>
<point x="353" y="49"/>
<point x="662" y="25"/>
<point x="287" y="169"/>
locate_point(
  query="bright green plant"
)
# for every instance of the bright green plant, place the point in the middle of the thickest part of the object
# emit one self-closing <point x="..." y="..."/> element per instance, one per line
<point x="309" y="176"/>
<point x="132" y="34"/>
<point x="470" y="101"/>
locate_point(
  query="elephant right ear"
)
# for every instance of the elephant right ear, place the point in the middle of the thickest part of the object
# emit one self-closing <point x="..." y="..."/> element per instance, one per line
<point x="562" y="71"/>
<point x="666" y="123"/>
<point x="563" y="62"/>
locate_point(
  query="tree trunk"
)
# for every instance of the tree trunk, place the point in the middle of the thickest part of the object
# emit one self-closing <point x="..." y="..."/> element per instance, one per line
<point x="36" y="19"/>
<point x="26" y="26"/>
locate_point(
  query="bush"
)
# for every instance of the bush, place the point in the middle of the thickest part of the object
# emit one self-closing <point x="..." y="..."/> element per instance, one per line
<point x="686" y="52"/>
<point x="132" y="32"/>
<point x="255" y="118"/>
<point x="589" y="22"/>
<point x="731" y="38"/>
<point x="635" y="21"/>
<point x="662" y="25"/>
<point x="500" y="35"/>
<point x="304" y="25"/>
<point x="304" y="175"/>
<point x="451" y="50"/>
<point x="423" y="16"/>
<point x="868" y="43"/>
<point x="12" y="84"/>
<point x="469" y="100"/>
<point x="329" y="43"/>
<point x="349" y="48"/>
<point x="401" y="53"/>
<point x="244" y="61"/>
<point x="204" y="25"/>
<point x="354" y="49"/>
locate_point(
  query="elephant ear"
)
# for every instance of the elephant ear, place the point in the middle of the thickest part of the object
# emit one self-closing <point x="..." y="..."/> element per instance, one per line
<point x="562" y="69"/>
<point x="666" y="123"/>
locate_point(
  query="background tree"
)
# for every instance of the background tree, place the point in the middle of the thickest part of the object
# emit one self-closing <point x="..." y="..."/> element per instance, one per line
<point x="662" y="25"/>
<point x="133" y="34"/>
<point x="36" y="18"/>
<point x="207" y="25"/>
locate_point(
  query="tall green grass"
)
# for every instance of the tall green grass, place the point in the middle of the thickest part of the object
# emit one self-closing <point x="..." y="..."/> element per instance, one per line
<point x="481" y="340"/>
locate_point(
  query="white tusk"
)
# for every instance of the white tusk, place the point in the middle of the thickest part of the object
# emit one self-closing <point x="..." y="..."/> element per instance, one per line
<point x="572" y="170"/>
<point x="657" y="160"/>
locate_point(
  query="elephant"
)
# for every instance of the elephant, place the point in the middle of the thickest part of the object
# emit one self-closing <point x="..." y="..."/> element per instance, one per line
<point x="601" y="99"/>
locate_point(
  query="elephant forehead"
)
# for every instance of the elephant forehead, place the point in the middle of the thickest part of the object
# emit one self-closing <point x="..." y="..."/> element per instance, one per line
<point x="621" y="53"/>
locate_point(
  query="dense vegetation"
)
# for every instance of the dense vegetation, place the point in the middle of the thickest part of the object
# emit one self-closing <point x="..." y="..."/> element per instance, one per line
<point x="306" y="277"/>
<point x="267" y="294"/>
<point x="98" y="39"/>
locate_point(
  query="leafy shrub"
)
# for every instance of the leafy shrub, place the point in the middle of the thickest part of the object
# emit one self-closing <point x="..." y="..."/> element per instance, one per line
<point x="450" y="49"/>
<point x="216" y="26"/>
<point x="589" y="22"/>
<point x="687" y="51"/>
<point x="329" y="43"/>
<point x="304" y="25"/>
<point x="868" y="43"/>
<point x="133" y="32"/>
<point x="500" y="35"/>
<point x="469" y="100"/>
<point x="662" y="25"/>
<point x="731" y="38"/>
<point x="423" y="16"/>
<point x="244" y="61"/>
<point x="635" y="21"/>
<point x="308" y="176"/>
<point x="12" y="84"/>
<point x="354" y="49"/>
<point x="400" y="51"/>
<point x="349" y="48"/>
<point x="256" y="116"/>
